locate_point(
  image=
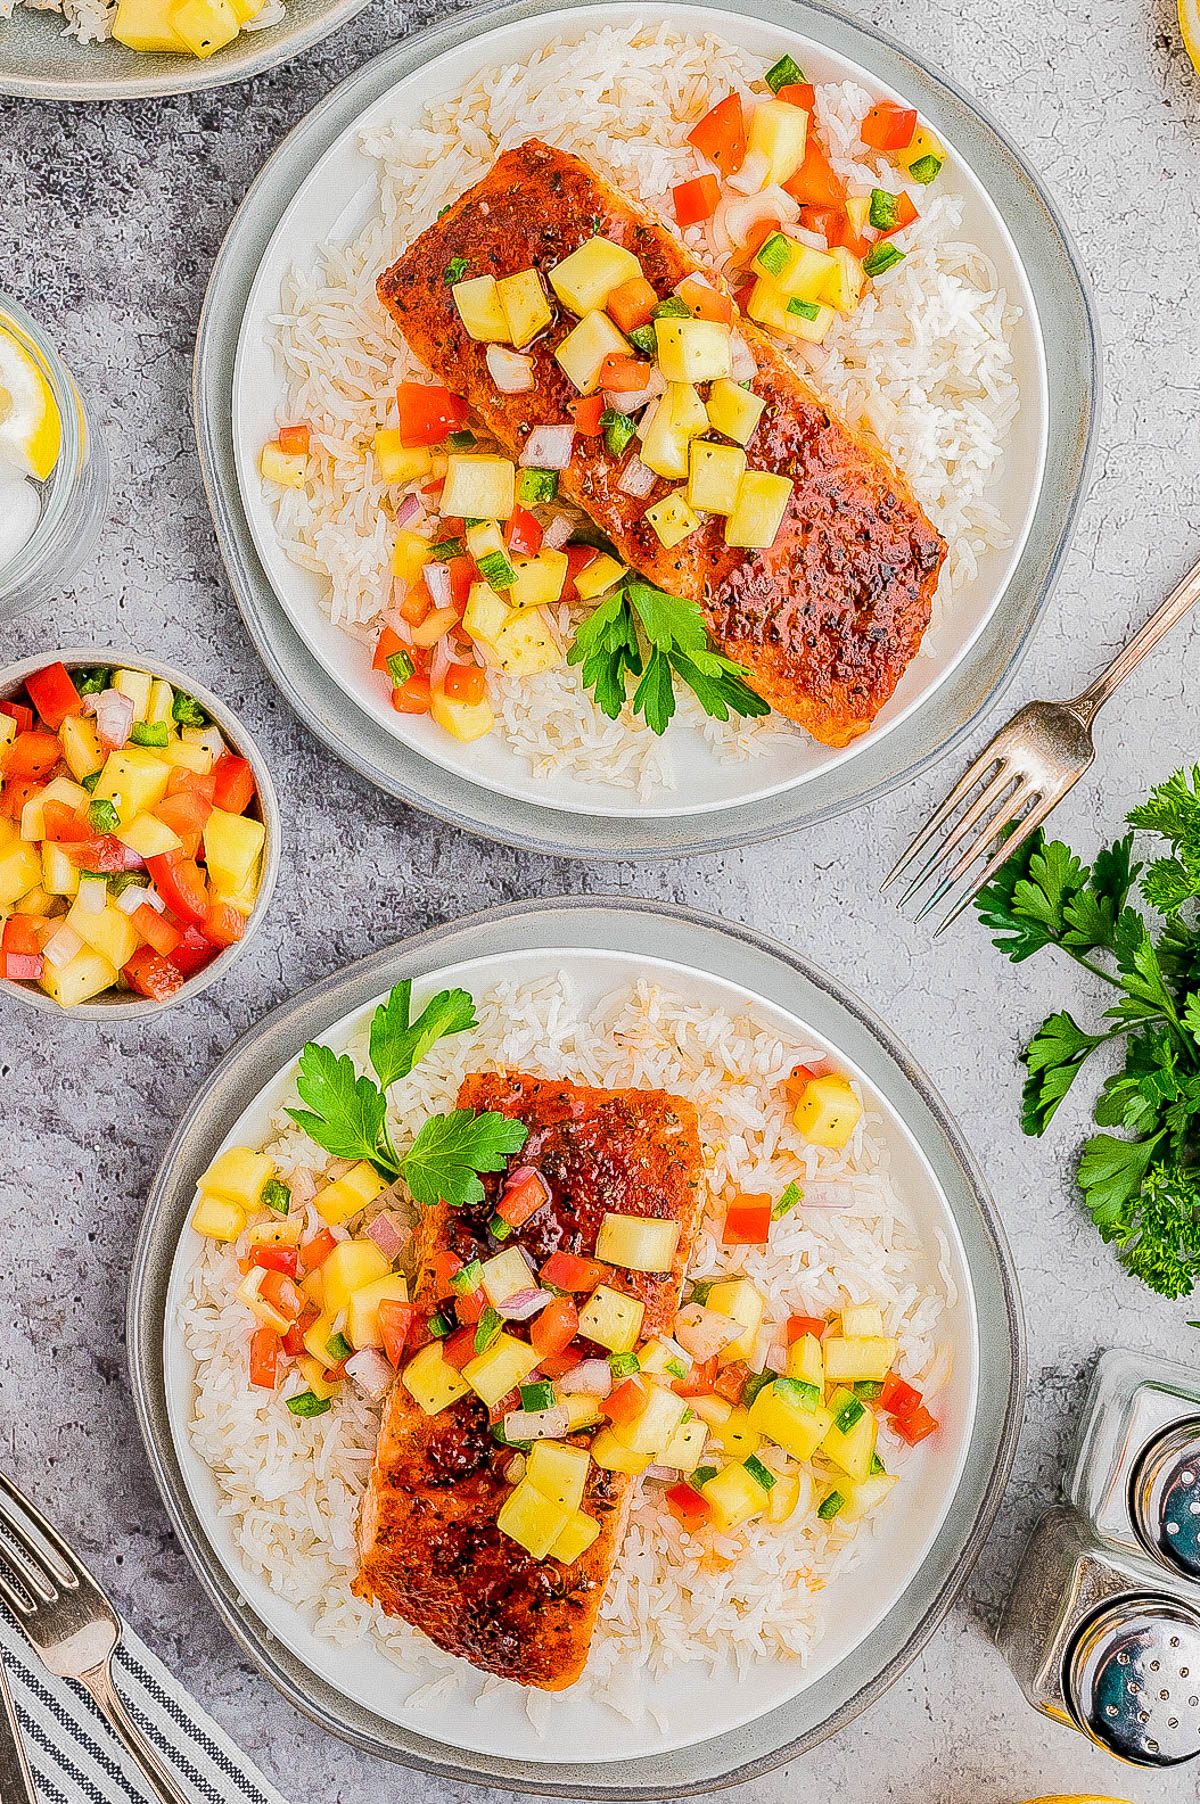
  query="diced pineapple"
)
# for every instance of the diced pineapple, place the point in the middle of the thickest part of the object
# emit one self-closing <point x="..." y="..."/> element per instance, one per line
<point x="925" y="145"/>
<point x="242" y="899"/>
<point x="313" y="1286"/>
<point x="349" y="1193"/>
<point x="479" y="308"/>
<point x="559" y="1472"/>
<point x="161" y="703"/>
<point x="861" y="1319"/>
<point x="148" y="836"/>
<point x="179" y="754"/>
<point x="733" y="1496"/>
<point x="714" y="476"/>
<point x="238" y="1175"/>
<point x="145" y="25"/>
<point x="687" y="409"/>
<point x="828" y="1112"/>
<point x="713" y="1411"/>
<point x="485" y="614"/>
<point x="288" y="468"/>
<point x="432" y="1382"/>
<point x="525" y="307"/>
<point x="351" y="1264"/>
<point x="737" y="1298"/>
<point x="867" y="1356"/>
<point x="793" y="268"/>
<point x="665" y="444"/>
<point x="479" y="487"/>
<point x="248" y="1292"/>
<point x="806" y="1362"/>
<point x="503" y="1275"/>
<point x="614" y="1456"/>
<point x="850" y="1447"/>
<point x="205" y="25"/>
<point x="778" y="1414"/>
<point x="576" y="1538"/>
<point x="733" y="410"/>
<point x="277" y="1230"/>
<point x="37" y="901"/>
<point x="584" y="280"/>
<point x="693" y="350"/>
<point x="398" y="462"/>
<point x="33" y="819"/>
<point x="233" y="844"/>
<point x="601" y="574"/>
<point x="531" y="1520"/>
<point x="362" y="1311"/>
<point x="789" y="314"/>
<point x="20" y="869"/>
<point x="612" y="1319"/>
<point x="133" y="780"/>
<point x="316" y="1377"/>
<point x="582" y="1412"/>
<point x="858" y="211"/>
<point x="761" y="504"/>
<point x="410" y="554"/>
<point x="783" y="1497"/>
<point x="639" y="1243"/>
<point x="218" y="1218"/>
<point x="85" y="976"/>
<point x="526" y="645"/>
<point x="80" y="746"/>
<point x="317" y="1340"/>
<point x="672" y="519"/>
<point x="466" y="721"/>
<point x="539" y="581"/>
<point x="844" y="287"/>
<point x="867" y="1496"/>
<point x="59" y="876"/>
<point x="778" y="130"/>
<point x="136" y="684"/>
<point x="686" y="1447"/>
<point x="110" y="933"/>
<point x="8" y="729"/>
<point x="737" y="1434"/>
<point x="583" y="350"/>
<point x="505" y="1365"/>
<point x="654" y="1429"/>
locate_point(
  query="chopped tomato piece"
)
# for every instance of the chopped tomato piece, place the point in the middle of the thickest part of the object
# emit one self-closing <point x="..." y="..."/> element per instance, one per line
<point x="470" y="1307"/>
<point x="756" y="237"/>
<point x="625" y="1403"/>
<point x="815" y="184"/>
<point x="193" y="951"/>
<point x="53" y="694"/>
<point x="293" y="1340"/>
<point x="705" y="302"/>
<point x="104" y="854"/>
<point x="224" y="925"/>
<point x="191" y="782"/>
<point x="915" y="1426"/>
<point x="277" y="1257"/>
<point x="186" y="814"/>
<point x="412" y="696"/>
<point x="15" y="794"/>
<point x="395" y="1319"/>
<point x="800" y="1325"/>
<point x="316" y="1251"/>
<point x="522" y="1198"/>
<point x="32" y="755"/>
<point x="233" y="783"/>
<point x="283" y="1294"/>
<point x="265" y="1348"/>
<point x="623" y="375"/>
<point x="798" y="93"/>
<point x="555" y="1328"/>
<point x="898" y="1397"/>
<point x="152" y="976"/>
<point x="687" y="1505"/>
<point x="412" y="611"/>
<point x="578" y="558"/>
<point x="748" y="1222"/>
<point x="156" y="930"/>
<point x="61" y="822"/>
<point x="699" y="1381"/>
<point x="389" y="644"/>
<point x="21" y="934"/>
<point x="587" y="414"/>
<point x="721" y="135"/>
<point x="459" y="1349"/>
<point x="465" y="683"/>
<point x="428" y="413"/>
<point x="906" y="214"/>
<point x="797" y="1082"/>
<point x="445" y="1265"/>
<point x="20" y="713"/>
<point x="631" y="304"/>
<point x="567" y="1271"/>
<point x="523" y="534"/>
<point x="23" y="967"/>
<point x="828" y="223"/>
<point x="462" y="574"/>
<point x="696" y="200"/>
<point x="296" y="439"/>
<point x="731" y="1381"/>
<point x="889" y="126"/>
<point x="553" y="1365"/>
<point x="181" y="884"/>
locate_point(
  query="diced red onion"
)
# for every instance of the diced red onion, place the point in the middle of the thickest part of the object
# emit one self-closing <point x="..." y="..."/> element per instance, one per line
<point x="131" y="898"/>
<point x="705" y="1332"/>
<point x="394" y="618"/>
<point x="590" y="1378"/>
<point x="524" y="1304"/>
<point x="776" y="1358"/>
<point x="737" y="218"/>
<point x="436" y="578"/>
<point x="440" y="662"/>
<point x="631" y="404"/>
<point x="387" y="1234"/>
<point x="537" y="1424"/>
<point x="813" y="240"/>
<point x="833" y="1195"/>
<point x="93" y="895"/>
<point x="339" y="1232"/>
<point x="743" y="365"/>
<point x="303" y="1186"/>
<point x="667" y="1474"/>
<point x="755" y="169"/>
<point x="114" y="716"/>
<point x="369" y="1368"/>
<point x="131" y="860"/>
<point x="636" y="479"/>
<point x="512" y="373"/>
<point x="408" y="510"/>
<point x="62" y="947"/>
<point x="558" y="533"/>
<point x="548" y="448"/>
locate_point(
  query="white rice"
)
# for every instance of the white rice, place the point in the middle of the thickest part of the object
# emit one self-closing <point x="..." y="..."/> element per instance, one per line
<point x="290" y="1488"/>
<point x="91" y="21"/>
<point x="924" y="362"/>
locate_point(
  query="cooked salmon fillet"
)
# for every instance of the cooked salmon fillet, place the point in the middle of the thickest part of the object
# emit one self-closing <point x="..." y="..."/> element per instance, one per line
<point x="826" y="621"/>
<point x="430" y="1550"/>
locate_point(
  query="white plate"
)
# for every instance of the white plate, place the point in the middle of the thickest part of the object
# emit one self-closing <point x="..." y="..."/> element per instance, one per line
<point x="335" y="200"/>
<point x="693" y="1704"/>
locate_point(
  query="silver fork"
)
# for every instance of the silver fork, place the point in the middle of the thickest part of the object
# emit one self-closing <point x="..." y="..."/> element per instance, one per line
<point x="1026" y="771"/>
<point x="69" y="1622"/>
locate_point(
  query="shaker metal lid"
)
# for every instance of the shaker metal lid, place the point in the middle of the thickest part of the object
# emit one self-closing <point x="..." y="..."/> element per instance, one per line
<point x="1164" y="1497"/>
<point x="1132" y="1679"/>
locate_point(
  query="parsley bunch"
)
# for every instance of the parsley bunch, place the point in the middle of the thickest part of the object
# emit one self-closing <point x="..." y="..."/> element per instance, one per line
<point x="640" y="631"/>
<point x="1141" y="1185"/>
<point x="347" y="1114"/>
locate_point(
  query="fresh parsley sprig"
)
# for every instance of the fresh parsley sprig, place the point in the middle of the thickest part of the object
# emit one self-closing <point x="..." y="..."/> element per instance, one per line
<point x="1141" y="1184"/>
<point x="642" y="632"/>
<point x="346" y="1113"/>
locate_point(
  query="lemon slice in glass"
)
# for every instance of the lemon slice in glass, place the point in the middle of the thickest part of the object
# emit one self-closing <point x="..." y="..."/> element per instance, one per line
<point x="30" y="427"/>
<point x="1189" y="25"/>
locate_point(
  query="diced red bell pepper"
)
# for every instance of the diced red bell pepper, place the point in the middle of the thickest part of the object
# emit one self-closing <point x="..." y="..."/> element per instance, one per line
<point x="797" y="1082"/>
<point x="631" y="304"/>
<point x="827" y="222"/>
<point x="567" y="1271"/>
<point x="462" y="574"/>
<point x="293" y="1340"/>
<point x="721" y="135"/>
<point x="316" y="1251"/>
<point x="800" y="1325"/>
<point x="183" y="781"/>
<point x="277" y="1257"/>
<point x="428" y="413"/>
<point x="152" y="976"/>
<point x="32" y="755"/>
<point x="898" y="1397"/>
<point x="412" y="696"/>
<point x="555" y="1328"/>
<point x="21" y="934"/>
<point x="687" y="1505"/>
<point x="522" y="1199"/>
<point x="186" y="814"/>
<point x="623" y="375"/>
<point x="695" y="200"/>
<point x="395" y="1319"/>
<point x="889" y="126"/>
<point x="699" y="1381"/>
<point x="412" y="611"/>
<point x="914" y="1426"/>
<point x="265" y="1348"/>
<point x="446" y="1265"/>
<point x="523" y="534"/>
<point x="23" y="967"/>
<point x="624" y="1404"/>
<point x="181" y="884"/>
<point x="20" y="713"/>
<point x="906" y="214"/>
<point x="470" y="1307"/>
<point x="389" y="645"/>
<point x="283" y="1294"/>
<point x="731" y="1380"/>
<point x="459" y="1349"/>
<point x="159" y="933"/>
<point x="747" y="1222"/>
<point x="798" y="93"/>
<point x="553" y="1365"/>
<point x="465" y="683"/>
<point x="815" y="183"/>
<point x="587" y="412"/>
<point x="578" y="559"/>
<point x="53" y="694"/>
<point x="193" y="951"/>
<point x="706" y="302"/>
<point x="224" y="925"/>
<point x="233" y="782"/>
<point x="296" y="440"/>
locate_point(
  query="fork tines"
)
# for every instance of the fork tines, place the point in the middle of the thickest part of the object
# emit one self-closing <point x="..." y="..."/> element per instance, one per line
<point x="35" y="1563"/>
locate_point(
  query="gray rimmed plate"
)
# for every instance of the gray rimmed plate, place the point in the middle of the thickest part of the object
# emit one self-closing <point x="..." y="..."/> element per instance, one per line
<point x="38" y="61"/>
<point x="777" y="1717"/>
<point x="534" y="815"/>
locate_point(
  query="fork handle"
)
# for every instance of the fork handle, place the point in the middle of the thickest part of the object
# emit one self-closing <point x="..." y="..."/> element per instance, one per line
<point x="161" y="1781"/>
<point x="1178" y="603"/>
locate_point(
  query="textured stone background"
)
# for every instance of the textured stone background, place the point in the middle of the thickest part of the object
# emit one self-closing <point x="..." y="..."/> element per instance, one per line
<point x="109" y="220"/>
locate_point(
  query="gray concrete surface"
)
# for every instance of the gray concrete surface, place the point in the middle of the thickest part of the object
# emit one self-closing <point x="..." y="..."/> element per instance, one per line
<point x="109" y="219"/>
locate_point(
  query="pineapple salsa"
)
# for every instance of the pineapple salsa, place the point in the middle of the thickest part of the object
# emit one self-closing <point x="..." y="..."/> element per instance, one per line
<point x="749" y="1409"/>
<point x="128" y="857"/>
<point x="483" y="553"/>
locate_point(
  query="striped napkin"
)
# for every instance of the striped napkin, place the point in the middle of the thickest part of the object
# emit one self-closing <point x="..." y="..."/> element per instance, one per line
<point x="76" y="1758"/>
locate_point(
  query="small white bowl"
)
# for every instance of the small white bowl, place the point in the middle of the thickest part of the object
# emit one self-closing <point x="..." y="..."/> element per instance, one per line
<point x="123" y="1005"/>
